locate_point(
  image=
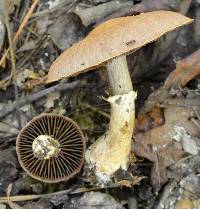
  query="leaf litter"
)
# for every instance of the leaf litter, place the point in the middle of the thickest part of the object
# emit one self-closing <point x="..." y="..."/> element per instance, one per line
<point x="167" y="133"/>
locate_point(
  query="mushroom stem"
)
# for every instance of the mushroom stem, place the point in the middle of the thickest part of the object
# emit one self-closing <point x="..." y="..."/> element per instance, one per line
<point x="119" y="77"/>
<point x="45" y="147"/>
<point x="111" y="151"/>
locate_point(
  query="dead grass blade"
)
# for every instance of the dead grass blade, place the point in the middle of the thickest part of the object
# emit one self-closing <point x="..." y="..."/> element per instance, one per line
<point x="21" y="27"/>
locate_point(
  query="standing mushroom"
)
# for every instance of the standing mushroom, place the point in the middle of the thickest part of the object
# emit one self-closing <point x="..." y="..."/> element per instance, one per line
<point x="108" y="44"/>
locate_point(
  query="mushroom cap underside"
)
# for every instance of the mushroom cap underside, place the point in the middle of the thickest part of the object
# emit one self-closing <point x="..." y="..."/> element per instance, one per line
<point x="71" y="142"/>
<point x="113" y="38"/>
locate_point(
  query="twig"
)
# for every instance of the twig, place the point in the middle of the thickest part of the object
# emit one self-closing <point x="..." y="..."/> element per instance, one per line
<point x="25" y="20"/>
<point x="31" y="197"/>
<point x="19" y="198"/>
<point x="21" y="27"/>
<point x="27" y="28"/>
<point x="25" y="100"/>
<point x="10" y="203"/>
<point x="69" y="191"/>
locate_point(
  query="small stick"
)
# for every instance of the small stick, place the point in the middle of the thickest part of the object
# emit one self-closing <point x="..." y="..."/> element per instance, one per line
<point x="25" y="20"/>
<point x="19" y="198"/>
<point x="21" y="27"/>
<point x="31" y="197"/>
<point x="25" y="100"/>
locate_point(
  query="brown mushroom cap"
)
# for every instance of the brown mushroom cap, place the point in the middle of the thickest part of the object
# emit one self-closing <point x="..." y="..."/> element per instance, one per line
<point x="70" y="158"/>
<point x="113" y="38"/>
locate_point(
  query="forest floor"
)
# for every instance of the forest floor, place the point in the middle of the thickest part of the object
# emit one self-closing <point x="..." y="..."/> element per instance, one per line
<point x="165" y="73"/>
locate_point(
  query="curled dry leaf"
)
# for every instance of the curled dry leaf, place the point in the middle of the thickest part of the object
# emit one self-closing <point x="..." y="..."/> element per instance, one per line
<point x="185" y="71"/>
<point x="66" y="30"/>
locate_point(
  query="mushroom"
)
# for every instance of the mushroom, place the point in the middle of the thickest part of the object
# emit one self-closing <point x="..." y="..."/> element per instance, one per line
<point x="108" y="44"/>
<point x="51" y="148"/>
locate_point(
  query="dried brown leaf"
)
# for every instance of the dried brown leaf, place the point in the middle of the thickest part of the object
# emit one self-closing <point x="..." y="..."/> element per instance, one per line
<point x="160" y="144"/>
<point x="66" y="30"/>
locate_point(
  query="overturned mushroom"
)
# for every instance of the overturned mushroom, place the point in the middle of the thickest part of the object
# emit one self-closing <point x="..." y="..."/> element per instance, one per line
<point x="108" y="44"/>
<point x="50" y="148"/>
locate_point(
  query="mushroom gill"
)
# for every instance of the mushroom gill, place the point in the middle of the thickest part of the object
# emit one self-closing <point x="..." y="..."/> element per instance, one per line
<point x="51" y="148"/>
